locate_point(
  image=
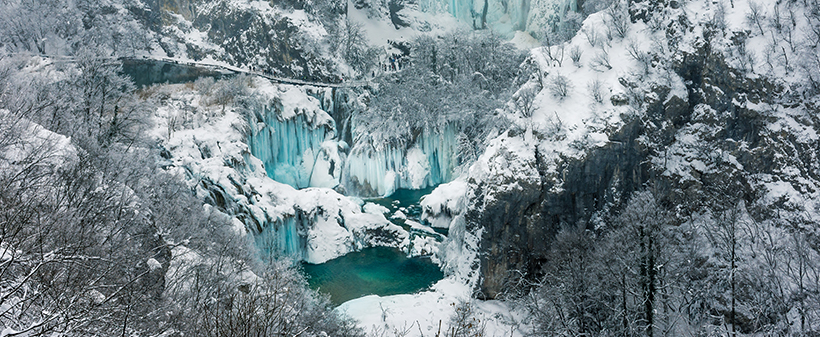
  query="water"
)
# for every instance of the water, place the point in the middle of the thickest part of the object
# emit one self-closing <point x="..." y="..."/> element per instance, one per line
<point x="380" y="271"/>
<point x="406" y="201"/>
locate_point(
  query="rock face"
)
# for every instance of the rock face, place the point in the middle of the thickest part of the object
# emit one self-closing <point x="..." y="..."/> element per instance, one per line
<point x="278" y="38"/>
<point x="522" y="216"/>
<point x="522" y="212"/>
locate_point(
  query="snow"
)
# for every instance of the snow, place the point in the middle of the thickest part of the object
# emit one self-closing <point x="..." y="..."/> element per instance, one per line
<point x="419" y="227"/>
<point x="321" y="224"/>
<point x="372" y="208"/>
<point x="179" y="33"/>
<point x="424" y="313"/>
<point x="507" y="159"/>
<point x="421" y="313"/>
<point x="525" y="41"/>
<point x="8" y="331"/>
<point x="153" y="264"/>
<point x="379" y="29"/>
<point x="53" y="149"/>
<point x="447" y="201"/>
<point x="399" y="215"/>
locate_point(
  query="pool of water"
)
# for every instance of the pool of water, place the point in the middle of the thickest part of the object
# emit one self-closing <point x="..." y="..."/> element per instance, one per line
<point x="379" y="270"/>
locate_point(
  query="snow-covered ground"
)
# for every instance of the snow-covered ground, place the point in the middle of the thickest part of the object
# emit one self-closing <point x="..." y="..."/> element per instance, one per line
<point x="379" y="30"/>
<point x="428" y="313"/>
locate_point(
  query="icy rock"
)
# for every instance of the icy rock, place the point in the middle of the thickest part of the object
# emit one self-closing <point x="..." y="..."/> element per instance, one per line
<point x="153" y="264"/>
<point x="399" y="215"/>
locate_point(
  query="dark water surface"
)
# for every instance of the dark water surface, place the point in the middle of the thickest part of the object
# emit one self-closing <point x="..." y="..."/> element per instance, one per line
<point x="408" y="202"/>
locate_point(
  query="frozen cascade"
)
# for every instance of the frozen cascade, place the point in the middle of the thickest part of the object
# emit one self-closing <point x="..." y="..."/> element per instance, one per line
<point x="502" y="16"/>
<point x="295" y="151"/>
<point x="373" y="171"/>
<point x="282" y="238"/>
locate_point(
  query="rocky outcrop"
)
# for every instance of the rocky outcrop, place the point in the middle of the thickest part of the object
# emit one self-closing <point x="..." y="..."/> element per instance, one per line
<point x="521" y="215"/>
<point x="270" y="39"/>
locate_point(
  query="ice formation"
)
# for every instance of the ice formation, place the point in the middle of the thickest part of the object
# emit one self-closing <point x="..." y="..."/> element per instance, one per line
<point x="282" y="238"/>
<point x="374" y="171"/>
<point x="293" y="138"/>
<point x="503" y="16"/>
<point x="296" y="153"/>
<point x="240" y="163"/>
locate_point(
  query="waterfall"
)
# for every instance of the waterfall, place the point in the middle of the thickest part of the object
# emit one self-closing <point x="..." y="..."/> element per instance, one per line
<point x="281" y="238"/>
<point x="502" y="16"/>
<point x="374" y="171"/>
<point x="295" y="151"/>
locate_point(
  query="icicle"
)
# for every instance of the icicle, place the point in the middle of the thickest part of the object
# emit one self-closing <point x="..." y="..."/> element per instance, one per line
<point x="281" y="238"/>
<point x="379" y="172"/>
<point x="291" y="149"/>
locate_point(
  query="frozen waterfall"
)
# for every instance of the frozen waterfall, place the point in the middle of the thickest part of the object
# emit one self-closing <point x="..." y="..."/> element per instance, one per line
<point x="302" y="153"/>
<point x="295" y="151"/>
<point x="502" y="16"/>
<point x="374" y="171"/>
<point x="281" y="238"/>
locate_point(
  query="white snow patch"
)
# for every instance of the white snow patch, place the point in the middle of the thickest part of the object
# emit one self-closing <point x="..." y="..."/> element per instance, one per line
<point x="444" y="203"/>
<point x="424" y="313"/>
<point x="153" y="264"/>
<point x="372" y="208"/>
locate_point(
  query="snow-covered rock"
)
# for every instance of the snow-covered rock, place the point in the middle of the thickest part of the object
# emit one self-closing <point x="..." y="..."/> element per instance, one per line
<point x="447" y="201"/>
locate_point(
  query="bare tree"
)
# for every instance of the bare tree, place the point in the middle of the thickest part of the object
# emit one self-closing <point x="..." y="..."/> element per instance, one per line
<point x="525" y="97"/>
<point x="349" y="41"/>
<point x="591" y="34"/>
<point x="646" y="224"/>
<point x="601" y="60"/>
<point x="596" y="90"/>
<point x="618" y="19"/>
<point x="463" y="322"/>
<point x="642" y="57"/>
<point x="575" y="54"/>
<point x="756" y="16"/>
<point x="559" y="85"/>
